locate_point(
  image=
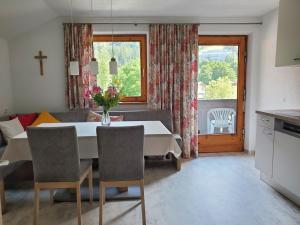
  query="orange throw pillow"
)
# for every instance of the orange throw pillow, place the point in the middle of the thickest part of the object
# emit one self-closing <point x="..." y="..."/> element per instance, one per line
<point x="44" y="117"/>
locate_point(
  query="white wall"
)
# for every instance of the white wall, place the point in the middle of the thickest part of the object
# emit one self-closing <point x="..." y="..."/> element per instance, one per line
<point x="33" y="92"/>
<point x="276" y="87"/>
<point x="6" y="94"/>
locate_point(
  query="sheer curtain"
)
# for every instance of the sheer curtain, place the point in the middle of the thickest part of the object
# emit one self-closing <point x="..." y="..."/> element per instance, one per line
<point x="173" y="78"/>
<point x="79" y="45"/>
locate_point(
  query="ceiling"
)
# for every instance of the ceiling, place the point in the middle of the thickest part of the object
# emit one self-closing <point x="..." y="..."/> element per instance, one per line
<point x="203" y="8"/>
<point x="17" y="16"/>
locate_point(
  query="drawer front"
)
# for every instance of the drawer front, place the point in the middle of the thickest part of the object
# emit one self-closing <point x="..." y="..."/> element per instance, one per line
<point x="266" y="121"/>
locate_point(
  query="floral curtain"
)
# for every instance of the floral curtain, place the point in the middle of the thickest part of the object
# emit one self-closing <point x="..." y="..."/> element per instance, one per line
<point x="78" y="45"/>
<point x="173" y="78"/>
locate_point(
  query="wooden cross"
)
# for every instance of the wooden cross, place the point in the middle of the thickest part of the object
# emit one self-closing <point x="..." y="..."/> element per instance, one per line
<point x="40" y="57"/>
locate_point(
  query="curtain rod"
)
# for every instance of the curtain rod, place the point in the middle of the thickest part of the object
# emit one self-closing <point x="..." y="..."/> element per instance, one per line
<point x="205" y="23"/>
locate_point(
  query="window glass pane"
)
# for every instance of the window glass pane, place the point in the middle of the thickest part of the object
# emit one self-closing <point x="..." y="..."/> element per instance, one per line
<point x="128" y="57"/>
<point x="217" y="88"/>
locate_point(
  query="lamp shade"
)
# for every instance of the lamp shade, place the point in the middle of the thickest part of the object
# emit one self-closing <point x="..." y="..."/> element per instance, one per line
<point x="74" y="68"/>
<point x="113" y="66"/>
<point x="94" y="66"/>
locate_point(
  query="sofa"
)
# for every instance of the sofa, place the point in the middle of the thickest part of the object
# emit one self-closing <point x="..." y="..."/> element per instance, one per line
<point x="81" y="115"/>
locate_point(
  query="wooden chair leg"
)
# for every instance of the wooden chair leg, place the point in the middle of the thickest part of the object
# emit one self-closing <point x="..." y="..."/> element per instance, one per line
<point x="78" y="199"/>
<point x="143" y="201"/>
<point x="90" y="178"/>
<point x="101" y="201"/>
<point x="2" y="196"/>
<point x="51" y="193"/>
<point x="1" y="220"/>
<point x="36" y="204"/>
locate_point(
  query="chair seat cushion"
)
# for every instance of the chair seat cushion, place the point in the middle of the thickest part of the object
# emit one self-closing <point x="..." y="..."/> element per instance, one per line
<point x="8" y="169"/>
<point x="84" y="165"/>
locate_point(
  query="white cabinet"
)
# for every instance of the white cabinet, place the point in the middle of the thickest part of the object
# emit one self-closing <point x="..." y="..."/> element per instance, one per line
<point x="264" y="144"/>
<point x="286" y="162"/>
<point x="288" y="37"/>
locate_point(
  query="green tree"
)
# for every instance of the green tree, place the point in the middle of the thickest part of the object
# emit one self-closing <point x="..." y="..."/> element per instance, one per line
<point x="233" y="61"/>
<point x="129" y="76"/>
<point x="129" y="71"/>
<point x="213" y="70"/>
<point x="221" y="88"/>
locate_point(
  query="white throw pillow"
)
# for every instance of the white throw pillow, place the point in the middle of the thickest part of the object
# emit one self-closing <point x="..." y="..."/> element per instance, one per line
<point x="11" y="128"/>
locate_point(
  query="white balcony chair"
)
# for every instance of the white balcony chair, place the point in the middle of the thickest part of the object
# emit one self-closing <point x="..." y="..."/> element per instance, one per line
<point x="221" y="118"/>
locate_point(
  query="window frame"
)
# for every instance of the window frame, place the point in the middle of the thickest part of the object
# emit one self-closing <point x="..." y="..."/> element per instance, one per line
<point x="142" y="39"/>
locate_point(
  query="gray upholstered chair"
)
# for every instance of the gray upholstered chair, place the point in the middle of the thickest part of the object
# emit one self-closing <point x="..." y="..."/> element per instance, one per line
<point x="121" y="161"/>
<point x="56" y="163"/>
<point x="5" y="170"/>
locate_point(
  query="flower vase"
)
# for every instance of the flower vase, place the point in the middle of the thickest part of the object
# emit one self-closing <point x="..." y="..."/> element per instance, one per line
<point x="105" y="120"/>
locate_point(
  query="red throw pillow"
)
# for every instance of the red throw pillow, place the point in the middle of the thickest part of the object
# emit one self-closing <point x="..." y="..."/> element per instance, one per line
<point x="25" y="119"/>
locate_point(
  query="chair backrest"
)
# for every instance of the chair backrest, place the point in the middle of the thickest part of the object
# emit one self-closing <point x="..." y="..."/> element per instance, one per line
<point x="55" y="154"/>
<point x="121" y="153"/>
<point x="221" y="114"/>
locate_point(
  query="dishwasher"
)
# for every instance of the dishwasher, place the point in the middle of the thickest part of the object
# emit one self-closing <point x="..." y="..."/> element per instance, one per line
<point x="286" y="158"/>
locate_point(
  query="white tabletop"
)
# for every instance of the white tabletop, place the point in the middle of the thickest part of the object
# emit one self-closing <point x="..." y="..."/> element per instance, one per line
<point x="88" y="129"/>
<point x="158" y="140"/>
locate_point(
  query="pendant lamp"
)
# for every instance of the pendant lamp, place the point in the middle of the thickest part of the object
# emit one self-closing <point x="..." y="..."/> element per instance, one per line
<point x="93" y="64"/>
<point x="74" y="64"/>
<point x="113" y="65"/>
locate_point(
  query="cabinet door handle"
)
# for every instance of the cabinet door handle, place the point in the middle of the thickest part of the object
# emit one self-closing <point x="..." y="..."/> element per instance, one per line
<point x="296" y="59"/>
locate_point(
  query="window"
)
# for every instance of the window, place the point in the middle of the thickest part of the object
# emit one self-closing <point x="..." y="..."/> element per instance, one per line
<point x="130" y="53"/>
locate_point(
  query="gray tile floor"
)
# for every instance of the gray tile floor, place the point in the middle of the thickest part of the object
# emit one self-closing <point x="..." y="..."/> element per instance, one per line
<point x="210" y="190"/>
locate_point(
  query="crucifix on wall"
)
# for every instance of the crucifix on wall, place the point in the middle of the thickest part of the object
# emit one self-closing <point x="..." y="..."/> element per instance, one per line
<point x="40" y="57"/>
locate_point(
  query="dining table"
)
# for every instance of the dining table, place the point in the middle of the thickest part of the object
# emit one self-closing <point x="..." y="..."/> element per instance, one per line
<point x="158" y="140"/>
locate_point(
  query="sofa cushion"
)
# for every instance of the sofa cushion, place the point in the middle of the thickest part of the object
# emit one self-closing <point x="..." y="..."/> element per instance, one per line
<point x="96" y="117"/>
<point x="72" y="116"/>
<point x="11" y="128"/>
<point x="146" y="115"/>
<point x="93" y="117"/>
<point x="45" y="117"/>
<point x="25" y="119"/>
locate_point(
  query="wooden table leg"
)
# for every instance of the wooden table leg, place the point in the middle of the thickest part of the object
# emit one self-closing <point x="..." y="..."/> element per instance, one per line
<point x="2" y="194"/>
<point x="177" y="162"/>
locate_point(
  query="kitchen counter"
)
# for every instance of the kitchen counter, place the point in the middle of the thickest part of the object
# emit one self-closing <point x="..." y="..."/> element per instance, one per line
<point x="292" y="116"/>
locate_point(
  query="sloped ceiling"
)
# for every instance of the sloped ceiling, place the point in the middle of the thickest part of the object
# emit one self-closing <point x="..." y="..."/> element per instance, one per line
<point x="18" y="16"/>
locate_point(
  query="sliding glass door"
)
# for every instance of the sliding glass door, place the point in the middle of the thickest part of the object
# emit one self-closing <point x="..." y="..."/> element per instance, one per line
<point x="221" y="93"/>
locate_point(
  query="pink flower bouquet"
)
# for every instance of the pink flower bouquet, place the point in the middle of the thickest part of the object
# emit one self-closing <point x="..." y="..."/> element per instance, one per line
<point x="107" y="99"/>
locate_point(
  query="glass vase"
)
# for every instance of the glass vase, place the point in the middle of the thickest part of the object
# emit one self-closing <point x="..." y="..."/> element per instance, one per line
<point x="105" y="120"/>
